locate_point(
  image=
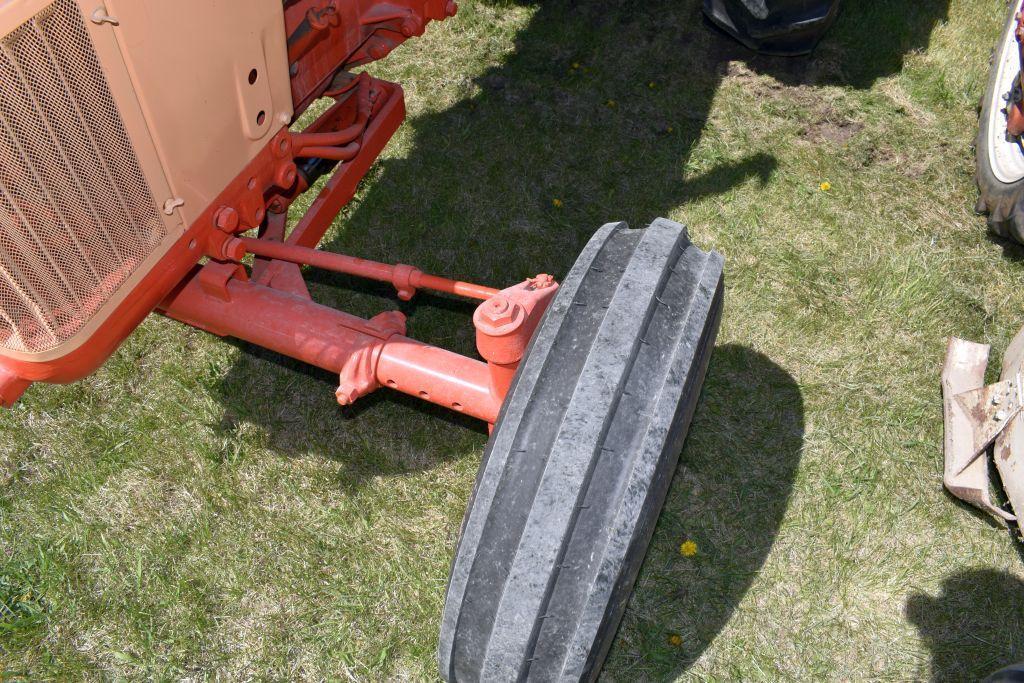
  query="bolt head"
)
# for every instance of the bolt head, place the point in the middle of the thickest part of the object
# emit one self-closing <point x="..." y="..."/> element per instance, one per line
<point x="408" y="27"/>
<point x="286" y="174"/>
<point x="346" y="395"/>
<point x="498" y="312"/>
<point x="498" y="306"/>
<point x="226" y="219"/>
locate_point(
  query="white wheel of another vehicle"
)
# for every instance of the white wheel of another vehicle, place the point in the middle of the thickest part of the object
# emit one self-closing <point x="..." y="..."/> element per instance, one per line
<point x="1000" y="157"/>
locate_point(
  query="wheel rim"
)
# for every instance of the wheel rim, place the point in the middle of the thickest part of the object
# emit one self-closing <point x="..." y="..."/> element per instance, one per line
<point x="1005" y="154"/>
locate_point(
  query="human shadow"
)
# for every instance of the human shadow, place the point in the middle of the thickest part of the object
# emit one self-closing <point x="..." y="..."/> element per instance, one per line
<point x="974" y="626"/>
<point x="741" y="455"/>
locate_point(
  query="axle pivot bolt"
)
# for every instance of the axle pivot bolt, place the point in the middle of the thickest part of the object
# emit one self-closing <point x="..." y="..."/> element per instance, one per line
<point x="500" y="315"/>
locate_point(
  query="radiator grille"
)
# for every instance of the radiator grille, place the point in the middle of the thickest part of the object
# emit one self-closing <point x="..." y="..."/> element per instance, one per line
<point x="76" y="214"/>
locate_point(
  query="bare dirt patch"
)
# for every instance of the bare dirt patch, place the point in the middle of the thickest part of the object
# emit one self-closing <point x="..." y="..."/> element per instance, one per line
<point x="833" y="132"/>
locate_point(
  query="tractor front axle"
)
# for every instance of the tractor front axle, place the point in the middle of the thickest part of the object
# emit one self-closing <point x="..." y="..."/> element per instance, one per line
<point x="221" y="298"/>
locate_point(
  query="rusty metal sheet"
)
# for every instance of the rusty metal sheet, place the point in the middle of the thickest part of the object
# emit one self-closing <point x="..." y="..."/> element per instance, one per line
<point x="968" y="422"/>
<point x="1008" y="452"/>
<point x="990" y="408"/>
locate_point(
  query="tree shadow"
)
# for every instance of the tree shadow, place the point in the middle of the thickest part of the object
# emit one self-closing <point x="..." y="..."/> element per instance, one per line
<point x="869" y="40"/>
<point x="974" y="626"/>
<point x="599" y="107"/>
<point x="729" y="496"/>
<point x="594" y="117"/>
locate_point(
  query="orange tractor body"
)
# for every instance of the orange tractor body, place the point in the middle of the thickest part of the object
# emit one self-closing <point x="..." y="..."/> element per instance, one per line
<point x="148" y="150"/>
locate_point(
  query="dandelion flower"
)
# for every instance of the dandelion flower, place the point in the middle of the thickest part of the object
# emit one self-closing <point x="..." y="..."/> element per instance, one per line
<point x="651" y="85"/>
<point x="557" y="203"/>
<point x="669" y="129"/>
<point x="610" y="103"/>
<point x="575" y="65"/>
<point x="688" y="549"/>
<point x="675" y="640"/>
<point x="825" y="186"/>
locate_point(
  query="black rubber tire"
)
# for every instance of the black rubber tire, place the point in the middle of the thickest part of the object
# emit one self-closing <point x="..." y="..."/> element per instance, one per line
<point x="785" y="28"/>
<point x="1011" y="674"/>
<point x="1002" y="202"/>
<point x="580" y="461"/>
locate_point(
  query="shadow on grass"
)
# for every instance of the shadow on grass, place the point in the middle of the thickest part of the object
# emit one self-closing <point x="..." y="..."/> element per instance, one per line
<point x="729" y="496"/>
<point x="385" y="433"/>
<point x="1012" y="250"/>
<point x="974" y="626"/>
<point x="599" y="106"/>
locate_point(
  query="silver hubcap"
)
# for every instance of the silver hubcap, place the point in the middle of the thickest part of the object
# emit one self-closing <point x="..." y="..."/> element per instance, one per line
<point x="1005" y="154"/>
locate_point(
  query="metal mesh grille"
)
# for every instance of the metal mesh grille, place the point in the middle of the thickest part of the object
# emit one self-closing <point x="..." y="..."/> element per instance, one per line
<point x="76" y="214"/>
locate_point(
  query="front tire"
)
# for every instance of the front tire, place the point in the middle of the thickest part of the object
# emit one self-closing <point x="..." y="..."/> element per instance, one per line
<point x="580" y="461"/>
<point x="999" y="158"/>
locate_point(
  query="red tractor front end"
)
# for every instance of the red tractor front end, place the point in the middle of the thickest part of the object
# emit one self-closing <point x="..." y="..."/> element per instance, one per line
<point x="150" y="160"/>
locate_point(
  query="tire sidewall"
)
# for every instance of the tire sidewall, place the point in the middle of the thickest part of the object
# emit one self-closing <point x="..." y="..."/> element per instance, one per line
<point x="1001" y="200"/>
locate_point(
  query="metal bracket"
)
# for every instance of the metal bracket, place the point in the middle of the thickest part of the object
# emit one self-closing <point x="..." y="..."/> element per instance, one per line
<point x="991" y="409"/>
<point x="974" y="415"/>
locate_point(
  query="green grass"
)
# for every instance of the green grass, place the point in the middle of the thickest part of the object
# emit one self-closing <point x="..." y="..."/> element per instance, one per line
<point x="203" y="509"/>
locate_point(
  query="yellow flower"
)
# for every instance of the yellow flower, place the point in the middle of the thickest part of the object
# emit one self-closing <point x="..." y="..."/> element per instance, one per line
<point x="575" y="65"/>
<point x="688" y="549"/>
<point x="557" y="203"/>
<point x="669" y="129"/>
<point x="651" y="85"/>
<point x="610" y="103"/>
<point x="825" y="186"/>
<point x="675" y="640"/>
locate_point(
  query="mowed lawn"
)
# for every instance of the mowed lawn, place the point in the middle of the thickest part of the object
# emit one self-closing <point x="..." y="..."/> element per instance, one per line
<point x="202" y="509"/>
